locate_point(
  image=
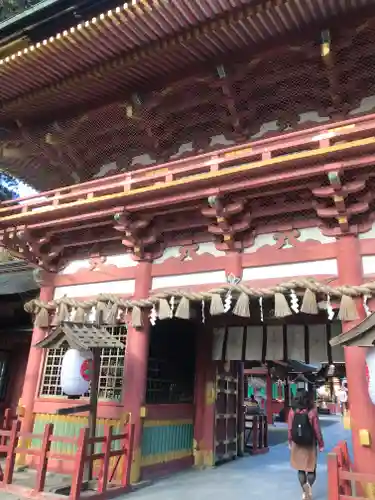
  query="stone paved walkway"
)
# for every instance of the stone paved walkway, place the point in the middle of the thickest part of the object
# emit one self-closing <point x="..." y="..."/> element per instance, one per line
<point x="259" y="478"/>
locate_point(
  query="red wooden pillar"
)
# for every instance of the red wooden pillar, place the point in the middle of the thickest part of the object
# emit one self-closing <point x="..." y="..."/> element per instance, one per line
<point x="362" y="411"/>
<point x="34" y="366"/>
<point x="33" y="369"/>
<point x="233" y="264"/>
<point x="135" y="372"/>
<point x="204" y="399"/>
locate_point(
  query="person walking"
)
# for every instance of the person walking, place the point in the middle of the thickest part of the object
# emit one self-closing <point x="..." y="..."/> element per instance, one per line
<point x="342" y="396"/>
<point x="304" y="436"/>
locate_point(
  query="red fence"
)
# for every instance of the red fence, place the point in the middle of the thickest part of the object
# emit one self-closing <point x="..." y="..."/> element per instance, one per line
<point x="256" y="434"/>
<point x="113" y="463"/>
<point x="343" y="482"/>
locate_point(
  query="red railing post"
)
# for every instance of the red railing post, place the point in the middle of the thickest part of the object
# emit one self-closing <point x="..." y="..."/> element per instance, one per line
<point x="11" y="454"/>
<point x="43" y="458"/>
<point x="333" y="477"/>
<point x="7" y="423"/>
<point x="128" y="449"/>
<point x="255" y="433"/>
<point x="103" y="479"/>
<point x="265" y="427"/>
<point x="79" y="464"/>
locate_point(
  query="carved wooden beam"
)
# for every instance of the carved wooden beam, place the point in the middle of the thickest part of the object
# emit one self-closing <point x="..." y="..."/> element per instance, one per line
<point x="343" y="208"/>
<point x="140" y="235"/>
<point x="232" y="222"/>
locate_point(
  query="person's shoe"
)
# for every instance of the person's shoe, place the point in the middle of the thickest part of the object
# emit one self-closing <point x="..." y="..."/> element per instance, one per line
<point x="307" y="492"/>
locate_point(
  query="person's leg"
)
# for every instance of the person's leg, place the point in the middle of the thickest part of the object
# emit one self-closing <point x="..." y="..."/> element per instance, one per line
<point x="311" y="477"/>
<point x="302" y="478"/>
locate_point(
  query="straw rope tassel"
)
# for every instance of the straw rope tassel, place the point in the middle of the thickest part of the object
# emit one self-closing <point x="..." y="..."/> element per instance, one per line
<point x="80" y="315"/>
<point x="309" y="303"/>
<point x="348" y="309"/>
<point x="136" y="318"/>
<point x="183" y="309"/>
<point x="42" y="318"/>
<point x="164" y="309"/>
<point x="282" y="308"/>
<point x="216" y="306"/>
<point x="242" y="307"/>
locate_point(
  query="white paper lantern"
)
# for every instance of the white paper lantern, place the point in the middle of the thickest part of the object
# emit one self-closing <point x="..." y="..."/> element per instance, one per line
<point x="75" y="372"/>
<point x="370" y="373"/>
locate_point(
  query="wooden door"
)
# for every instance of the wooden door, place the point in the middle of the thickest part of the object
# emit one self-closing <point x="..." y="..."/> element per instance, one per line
<point x="226" y="411"/>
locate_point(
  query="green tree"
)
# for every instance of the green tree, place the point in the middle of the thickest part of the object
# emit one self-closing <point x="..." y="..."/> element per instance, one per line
<point x="8" y="187"/>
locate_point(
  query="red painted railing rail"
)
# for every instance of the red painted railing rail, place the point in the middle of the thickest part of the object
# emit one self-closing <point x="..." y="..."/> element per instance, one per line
<point x="263" y="151"/>
<point x="13" y="442"/>
<point x="343" y="482"/>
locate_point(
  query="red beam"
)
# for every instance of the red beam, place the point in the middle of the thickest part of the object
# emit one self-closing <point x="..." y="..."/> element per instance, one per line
<point x="230" y="174"/>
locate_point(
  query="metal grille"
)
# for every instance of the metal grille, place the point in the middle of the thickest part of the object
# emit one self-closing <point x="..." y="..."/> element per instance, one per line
<point x="111" y="369"/>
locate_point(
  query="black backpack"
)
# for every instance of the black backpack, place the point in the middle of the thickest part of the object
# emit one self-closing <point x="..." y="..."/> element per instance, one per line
<point x="302" y="430"/>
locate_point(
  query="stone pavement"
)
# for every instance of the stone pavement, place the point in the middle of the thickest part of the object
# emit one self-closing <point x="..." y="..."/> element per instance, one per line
<point x="261" y="477"/>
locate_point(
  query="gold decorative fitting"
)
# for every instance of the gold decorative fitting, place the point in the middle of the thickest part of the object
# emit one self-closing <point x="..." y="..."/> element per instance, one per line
<point x="227" y="237"/>
<point x="342" y="220"/>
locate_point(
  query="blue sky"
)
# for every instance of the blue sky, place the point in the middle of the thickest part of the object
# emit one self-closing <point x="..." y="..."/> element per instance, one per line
<point x="25" y="190"/>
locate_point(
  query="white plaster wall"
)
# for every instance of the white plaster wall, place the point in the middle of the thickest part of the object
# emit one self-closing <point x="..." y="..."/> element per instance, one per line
<point x="305" y="234"/>
<point x="369" y="235"/>
<point x="368" y="264"/>
<point x="120" y="261"/>
<point x="122" y="287"/>
<point x="311" y="268"/>
<point x="186" y="280"/>
<point x="175" y="252"/>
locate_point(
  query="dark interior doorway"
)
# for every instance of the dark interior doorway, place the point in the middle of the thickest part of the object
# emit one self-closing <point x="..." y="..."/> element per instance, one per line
<point x="171" y="363"/>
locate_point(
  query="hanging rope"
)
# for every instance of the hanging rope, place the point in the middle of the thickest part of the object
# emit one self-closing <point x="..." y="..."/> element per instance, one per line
<point x="107" y="306"/>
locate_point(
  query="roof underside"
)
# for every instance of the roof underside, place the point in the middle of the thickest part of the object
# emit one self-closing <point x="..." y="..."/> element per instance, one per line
<point x="289" y="87"/>
<point x="85" y="336"/>
<point x="146" y="39"/>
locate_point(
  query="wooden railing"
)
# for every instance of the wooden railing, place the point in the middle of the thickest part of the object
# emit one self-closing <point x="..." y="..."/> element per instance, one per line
<point x="256" y="434"/>
<point x="343" y="482"/>
<point x="332" y="139"/>
<point x="13" y="442"/>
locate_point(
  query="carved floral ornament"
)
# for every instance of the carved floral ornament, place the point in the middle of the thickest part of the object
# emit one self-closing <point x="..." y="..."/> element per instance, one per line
<point x="290" y="297"/>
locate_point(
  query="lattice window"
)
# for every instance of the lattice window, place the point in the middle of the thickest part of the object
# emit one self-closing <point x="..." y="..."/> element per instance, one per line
<point x="111" y="369"/>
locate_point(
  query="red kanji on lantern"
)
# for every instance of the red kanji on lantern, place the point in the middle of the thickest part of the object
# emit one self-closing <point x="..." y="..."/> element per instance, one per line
<point x="86" y="369"/>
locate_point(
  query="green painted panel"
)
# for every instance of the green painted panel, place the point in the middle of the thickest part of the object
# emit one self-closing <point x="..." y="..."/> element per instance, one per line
<point x="163" y="439"/>
<point x="69" y="427"/>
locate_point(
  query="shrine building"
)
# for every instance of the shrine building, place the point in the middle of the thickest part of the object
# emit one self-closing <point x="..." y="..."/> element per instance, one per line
<point x="205" y="190"/>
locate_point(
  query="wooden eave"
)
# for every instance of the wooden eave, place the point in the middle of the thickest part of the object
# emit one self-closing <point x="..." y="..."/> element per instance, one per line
<point x="219" y="101"/>
<point x="362" y="335"/>
<point x="80" y="337"/>
<point x="142" y="40"/>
